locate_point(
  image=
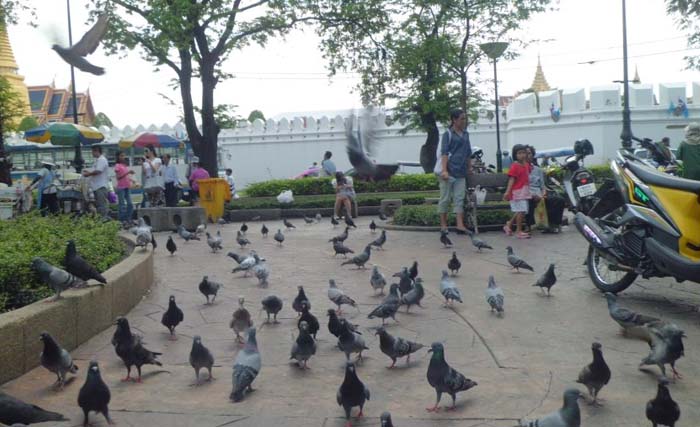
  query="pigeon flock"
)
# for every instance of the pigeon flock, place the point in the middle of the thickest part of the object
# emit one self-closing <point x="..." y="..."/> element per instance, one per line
<point x="664" y="338"/>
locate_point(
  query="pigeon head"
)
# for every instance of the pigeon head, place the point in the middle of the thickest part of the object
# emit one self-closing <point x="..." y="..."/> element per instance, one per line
<point x="596" y="346"/>
<point x="551" y="267"/>
<point x="172" y="299"/>
<point x="375" y="269"/>
<point x="612" y="298"/>
<point x="303" y="325"/>
<point x="208" y="235"/>
<point x="437" y="349"/>
<point x="70" y="248"/>
<point x="381" y="331"/>
<point x="196" y="340"/>
<point x="205" y="278"/>
<point x="331" y="283"/>
<point x="241" y="300"/>
<point x="93" y="368"/>
<point x="122" y="324"/>
<point x="350" y="369"/>
<point x="252" y="342"/>
<point x="454" y="254"/>
<point x="492" y="282"/>
<point x="510" y="250"/>
<point x="571" y="395"/>
<point x="394" y="289"/>
<point x="38" y="263"/>
<point x="386" y="420"/>
<point x="331" y="313"/>
<point x="445" y="274"/>
<point x="46" y="338"/>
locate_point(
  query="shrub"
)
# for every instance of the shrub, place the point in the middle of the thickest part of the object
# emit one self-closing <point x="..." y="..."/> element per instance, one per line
<point x="328" y="201"/>
<point x="32" y="235"/>
<point x="600" y="172"/>
<point x="428" y="216"/>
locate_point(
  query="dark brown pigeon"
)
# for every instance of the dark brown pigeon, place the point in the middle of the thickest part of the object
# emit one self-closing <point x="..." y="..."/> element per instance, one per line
<point x="75" y="55"/>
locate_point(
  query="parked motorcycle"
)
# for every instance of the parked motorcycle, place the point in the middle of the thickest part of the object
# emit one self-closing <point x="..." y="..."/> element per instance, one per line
<point x="650" y="226"/>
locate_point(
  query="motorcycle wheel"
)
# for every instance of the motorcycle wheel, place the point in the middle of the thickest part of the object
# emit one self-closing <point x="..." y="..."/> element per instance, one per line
<point x="604" y="278"/>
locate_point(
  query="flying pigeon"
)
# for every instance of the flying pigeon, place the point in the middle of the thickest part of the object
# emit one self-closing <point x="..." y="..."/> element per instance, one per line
<point x="287" y="224"/>
<point x="300" y="298"/>
<point x="338" y="297"/>
<point x="377" y="280"/>
<point x="130" y="349"/>
<point x="279" y="237"/>
<point x="516" y="262"/>
<point x="405" y="281"/>
<point x="454" y="264"/>
<point x="144" y="235"/>
<point x="245" y="368"/>
<point x="446" y="242"/>
<point x="666" y="346"/>
<point x="235" y="257"/>
<point x="477" y="242"/>
<point x="357" y="143"/>
<point x="396" y="347"/>
<point x="341" y="237"/>
<point x="350" y="341"/>
<point x="172" y="317"/>
<point x="244" y="228"/>
<point x="389" y="306"/>
<point x="264" y="230"/>
<point x="15" y="411"/>
<point x="568" y="416"/>
<point x="59" y="280"/>
<point x="77" y="266"/>
<point x="443" y="378"/>
<point x="448" y="289"/>
<point x="494" y="296"/>
<point x="385" y="420"/>
<point x="272" y="305"/>
<point x="360" y="259"/>
<point x="94" y="395"/>
<point x="200" y="357"/>
<point x="75" y="55"/>
<point x="308" y="220"/>
<point x="352" y="392"/>
<point x="246" y="266"/>
<point x="241" y="240"/>
<point x="310" y="319"/>
<point x="209" y="288"/>
<point x="379" y="241"/>
<point x="334" y="221"/>
<point x="632" y="323"/>
<point x="304" y="346"/>
<point x="240" y="320"/>
<point x="414" y="296"/>
<point x="215" y="242"/>
<point x="171" y="246"/>
<point x="547" y="280"/>
<point x="349" y="222"/>
<point x="662" y="410"/>
<point x="341" y="249"/>
<point x="186" y="235"/>
<point x="56" y="359"/>
<point x="596" y="374"/>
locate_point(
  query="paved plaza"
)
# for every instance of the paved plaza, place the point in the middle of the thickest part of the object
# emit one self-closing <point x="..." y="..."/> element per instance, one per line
<point x="522" y="361"/>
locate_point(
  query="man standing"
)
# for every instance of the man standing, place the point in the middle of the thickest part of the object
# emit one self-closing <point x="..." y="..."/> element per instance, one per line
<point x="172" y="182"/>
<point x="99" y="180"/>
<point x="45" y="181"/>
<point x="454" y="163"/>
<point x="327" y="165"/>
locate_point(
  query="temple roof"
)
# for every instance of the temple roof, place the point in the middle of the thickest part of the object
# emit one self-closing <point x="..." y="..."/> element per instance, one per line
<point x="636" y="78"/>
<point x="539" y="83"/>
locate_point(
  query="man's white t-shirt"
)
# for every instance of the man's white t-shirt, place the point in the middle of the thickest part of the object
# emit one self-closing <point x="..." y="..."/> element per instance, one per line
<point x="100" y="180"/>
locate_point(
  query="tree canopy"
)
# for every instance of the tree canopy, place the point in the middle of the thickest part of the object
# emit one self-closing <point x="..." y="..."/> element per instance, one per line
<point x="28" y="122"/>
<point x="256" y="114"/>
<point x="687" y="14"/>
<point x="101" y="119"/>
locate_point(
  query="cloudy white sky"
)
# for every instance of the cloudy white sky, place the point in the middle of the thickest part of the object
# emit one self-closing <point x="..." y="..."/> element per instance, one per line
<point x="290" y="76"/>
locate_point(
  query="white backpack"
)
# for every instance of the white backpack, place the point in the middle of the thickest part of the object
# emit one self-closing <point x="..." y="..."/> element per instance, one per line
<point x="438" y="163"/>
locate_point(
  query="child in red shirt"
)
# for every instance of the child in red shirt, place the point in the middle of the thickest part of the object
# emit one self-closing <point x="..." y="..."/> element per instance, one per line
<point x="518" y="191"/>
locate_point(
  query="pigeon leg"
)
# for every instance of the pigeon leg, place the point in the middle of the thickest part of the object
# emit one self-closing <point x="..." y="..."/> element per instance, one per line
<point x="340" y="310"/>
<point x="128" y="374"/>
<point x="173" y="336"/>
<point x="454" y="405"/>
<point x="676" y="374"/>
<point x="408" y="360"/>
<point x="549" y="292"/>
<point x="85" y="422"/>
<point x="207" y="297"/>
<point x="275" y="321"/>
<point x="210" y="377"/>
<point x="138" y="380"/>
<point x="435" y="408"/>
<point x="213" y="299"/>
<point x="393" y="362"/>
<point x="268" y="318"/>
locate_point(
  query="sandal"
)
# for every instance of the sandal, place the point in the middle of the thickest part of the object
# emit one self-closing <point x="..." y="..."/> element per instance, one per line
<point x="507" y="230"/>
<point x="522" y="235"/>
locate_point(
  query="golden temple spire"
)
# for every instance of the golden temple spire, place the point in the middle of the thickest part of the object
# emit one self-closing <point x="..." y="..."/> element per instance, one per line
<point x="636" y="78"/>
<point x="539" y="83"/>
<point x="9" y="68"/>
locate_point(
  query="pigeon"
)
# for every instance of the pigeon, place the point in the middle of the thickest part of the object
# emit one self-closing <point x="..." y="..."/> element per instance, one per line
<point x="338" y="297"/>
<point x="75" y="54"/>
<point x="308" y="220"/>
<point x="666" y="346"/>
<point x="334" y="221"/>
<point x="304" y="347"/>
<point x="373" y="227"/>
<point x="171" y="246"/>
<point x="264" y="230"/>
<point x="477" y="242"/>
<point x="144" y="235"/>
<point x="241" y="240"/>
<point x="59" y="280"/>
<point x="248" y="263"/>
<point x="568" y="416"/>
<point x="454" y="264"/>
<point x="262" y="272"/>
<point x="130" y="349"/>
<point x="446" y="242"/>
<point x="448" y="289"/>
<point x="272" y="305"/>
<point x="172" y="317"/>
<point x="350" y="340"/>
<point x="632" y="323"/>
<point x="360" y="259"/>
<point x="385" y="420"/>
<point x="240" y="320"/>
<point x="494" y="296"/>
<point x="94" y="395"/>
<point x="201" y="228"/>
<point x="200" y="357"/>
<point x="445" y="379"/>
<point x="547" y="280"/>
<point x="244" y="228"/>
<point x="209" y="288"/>
<point x="516" y="262"/>
<point x="287" y="224"/>
<point x="396" y="347"/>
<point x="216" y="242"/>
<point x="405" y="282"/>
<point x="300" y="298"/>
<point x="349" y="222"/>
<point x="359" y="145"/>
<point x="662" y="410"/>
<point x="382" y="216"/>
<point x="246" y="367"/>
<point x="77" y="266"/>
<point x="221" y="221"/>
<point x="596" y="374"/>
<point x="236" y="257"/>
<point x="318" y="217"/>
<point x="352" y="392"/>
<point x="341" y="249"/>
<point x="341" y="237"/>
<point x="413" y="271"/>
<point x="310" y="319"/>
<point x="377" y="280"/>
<point x="388" y="307"/>
<point x="379" y="241"/>
<point x="334" y="324"/>
<point x="56" y="359"/>
<point x="279" y="237"/>
<point x="414" y="296"/>
<point x="186" y="235"/>
<point x="13" y="410"/>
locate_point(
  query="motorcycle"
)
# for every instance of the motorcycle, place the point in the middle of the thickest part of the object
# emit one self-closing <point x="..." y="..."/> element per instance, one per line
<point x="579" y="182"/>
<point x="650" y="226"/>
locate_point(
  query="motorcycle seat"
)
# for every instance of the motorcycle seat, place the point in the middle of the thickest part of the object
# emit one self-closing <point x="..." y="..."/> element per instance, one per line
<point x="653" y="177"/>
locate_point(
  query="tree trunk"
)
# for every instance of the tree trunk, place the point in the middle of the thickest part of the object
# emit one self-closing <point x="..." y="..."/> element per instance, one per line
<point x="185" y="77"/>
<point x="464" y="95"/>
<point x="210" y="129"/>
<point x="5" y="165"/>
<point x="428" y="152"/>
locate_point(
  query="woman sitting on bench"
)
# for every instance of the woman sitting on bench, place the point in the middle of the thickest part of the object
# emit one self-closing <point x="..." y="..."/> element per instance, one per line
<point x="344" y="193"/>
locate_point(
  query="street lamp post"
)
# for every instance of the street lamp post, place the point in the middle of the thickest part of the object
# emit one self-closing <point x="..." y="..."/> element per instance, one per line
<point x="494" y="50"/>
<point x="626" y="135"/>
<point x="78" y="161"/>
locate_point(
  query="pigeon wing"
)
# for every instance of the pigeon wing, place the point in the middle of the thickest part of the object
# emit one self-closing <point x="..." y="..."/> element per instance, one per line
<point x="90" y="40"/>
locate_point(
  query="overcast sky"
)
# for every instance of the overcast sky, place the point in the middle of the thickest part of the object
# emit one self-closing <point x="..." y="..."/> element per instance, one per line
<point x="290" y="76"/>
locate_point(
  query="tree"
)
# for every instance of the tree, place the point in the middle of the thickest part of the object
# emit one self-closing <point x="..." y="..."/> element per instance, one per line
<point x="101" y="119"/>
<point x="687" y="14"/>
<point x="256" y="114"/>
<point x="193" y="38"/>
<point x="28" y="122"/>
<point x="12" y="107"/>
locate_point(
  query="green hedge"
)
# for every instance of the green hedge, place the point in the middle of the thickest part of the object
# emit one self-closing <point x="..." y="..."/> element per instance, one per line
<point x="328" y="200"/>
<point x="315" y="186"/>
<point x="428" y="216"/>
<point x="31" y="235"/>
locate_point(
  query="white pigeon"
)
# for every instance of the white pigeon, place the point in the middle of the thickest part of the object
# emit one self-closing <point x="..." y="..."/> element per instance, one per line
<point x="338" y="297"/>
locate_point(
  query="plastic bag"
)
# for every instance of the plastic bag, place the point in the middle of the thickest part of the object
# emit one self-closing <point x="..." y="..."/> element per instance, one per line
<point x="111" y="195"/>
<point x="541" y="218"/>
<point x="480" y="195"/>
<point x="285" y="197"/>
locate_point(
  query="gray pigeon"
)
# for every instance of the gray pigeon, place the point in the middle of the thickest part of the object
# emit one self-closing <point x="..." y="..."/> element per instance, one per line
<point x="389" y="306"/>
<point x="477" y="242"/>
<point x="596" y="374"/>
<point x="379" y="241"/>
<point x="377" y="280"/>
<point x="414" y="296"/>
<point x="516" y="262"/>
<point x="494" y="296"/>
<point x="352" y="392"/>
<point x="396" y="347"/>
<point x="448" y="289"/>
<point x="59" y="280"/>
<point x="308" y="220"/>
<point x="262" y="273"/>
<point x="568" y="416"/>
<point x="632" y="323"/>
<point x="360" y="259"/>
<point x="405" y="281"/>
<point x="288" y="224"/>
<point x="385" y="420"/>
<point x="56" y="359"/>
<point x="200" y="357"/>
<point x="186" y="235"/>
<point x="144" y="235"/>
<point x="341" y="249"/>
<point x="547" y="280"/>
<point x="75" y="55"/>
<point x="318" y="217"/>
<point x="350" y="341"/>
<point x="272" y="305"/>
<point x="304" y="347"/>
<point x="94" y="395"/>
<point x="241" y="320"/>
<point x="13" y="410"/>
<point x="666" y="346"/>
<point x="245" y="368"/>
<point x="662" y="410"/>
<point x="338" y="297"/>
<point x="241" y="240"/>
<point x="454" y="264"/>
<point x="248" y="263"/>
<point x="341" y="237"/>
<point x="209" y="288"/>
<point x="443" y="378"/>
<point x="279" y="237"/>
<point x="215" y="242"/>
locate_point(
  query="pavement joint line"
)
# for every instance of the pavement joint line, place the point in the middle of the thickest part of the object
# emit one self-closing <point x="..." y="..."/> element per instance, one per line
<point x="546" y="394"/>
<point x="233" y="421"/>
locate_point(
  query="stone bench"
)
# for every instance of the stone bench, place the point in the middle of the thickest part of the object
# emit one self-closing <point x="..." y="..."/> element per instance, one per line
<point x="165" y="219"/>
<point x="389" y="206"/>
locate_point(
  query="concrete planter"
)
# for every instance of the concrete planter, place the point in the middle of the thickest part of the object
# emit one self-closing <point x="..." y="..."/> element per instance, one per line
<point x="239" y="215"/>
<point x="77" y="317"/>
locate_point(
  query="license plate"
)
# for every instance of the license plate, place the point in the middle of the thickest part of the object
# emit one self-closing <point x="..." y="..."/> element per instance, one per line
<point x="586" y="190"/>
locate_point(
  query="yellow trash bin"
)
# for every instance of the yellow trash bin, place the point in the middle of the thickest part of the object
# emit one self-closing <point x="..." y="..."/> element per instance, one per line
<point x="213" y="194"/>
